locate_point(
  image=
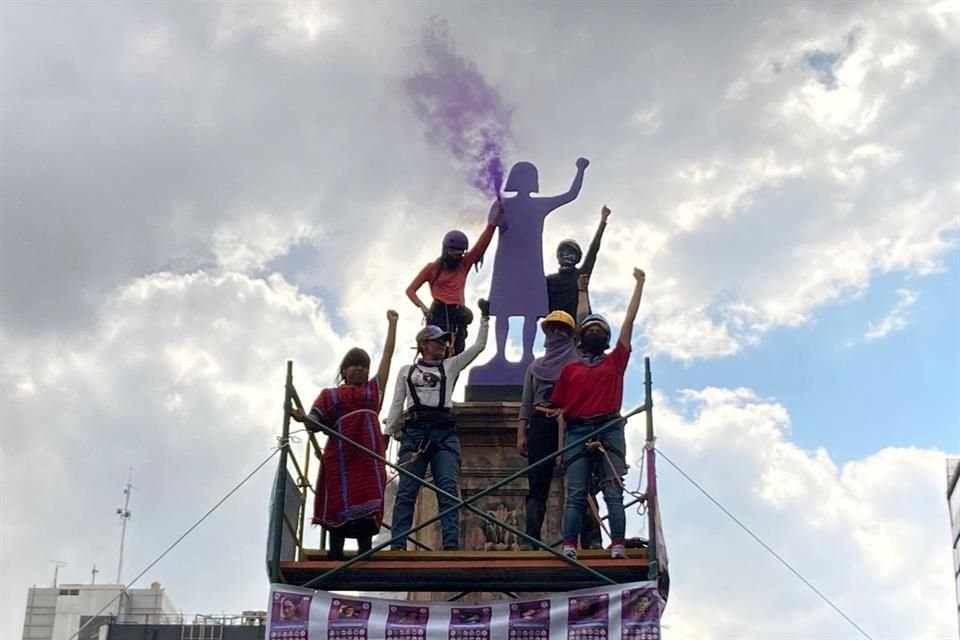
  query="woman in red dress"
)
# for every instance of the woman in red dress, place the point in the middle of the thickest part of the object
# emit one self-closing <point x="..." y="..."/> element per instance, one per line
<point x="350" y="485"/>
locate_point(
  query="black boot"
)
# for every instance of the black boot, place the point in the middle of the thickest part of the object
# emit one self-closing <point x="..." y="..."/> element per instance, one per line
<point x="536" y="511"/>
<point x="336" y="546"/>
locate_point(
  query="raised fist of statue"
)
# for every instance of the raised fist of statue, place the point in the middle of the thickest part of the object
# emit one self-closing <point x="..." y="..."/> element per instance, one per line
<point x="582" y="163"/>
<point x="484" y="307"/>
<point x="605" y="213"/>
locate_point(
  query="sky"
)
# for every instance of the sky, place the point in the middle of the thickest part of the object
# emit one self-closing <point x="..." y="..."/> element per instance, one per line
<point x="193" y="193"/>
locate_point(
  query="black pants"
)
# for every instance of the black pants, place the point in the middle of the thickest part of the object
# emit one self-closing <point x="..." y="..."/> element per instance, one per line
<point x="542" y="440"/>
<point x="453" y="318"/>
<point x="364" y="543"/>
<point x="363" y="530"/>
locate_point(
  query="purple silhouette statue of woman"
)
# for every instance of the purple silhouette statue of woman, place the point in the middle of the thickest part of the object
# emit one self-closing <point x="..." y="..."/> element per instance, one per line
<point x="519" y="286"/>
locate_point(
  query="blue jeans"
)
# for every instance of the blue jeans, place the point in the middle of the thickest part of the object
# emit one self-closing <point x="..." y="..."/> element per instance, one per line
<point x="440" y="447"/>
<point x="579" y="464"/>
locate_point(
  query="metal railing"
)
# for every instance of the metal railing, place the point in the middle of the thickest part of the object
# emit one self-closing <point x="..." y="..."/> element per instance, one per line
<point x="245" y="619"/>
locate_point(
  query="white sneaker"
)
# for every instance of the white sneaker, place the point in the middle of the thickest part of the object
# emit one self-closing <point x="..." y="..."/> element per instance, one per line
<point x="618" y="551"/>
<point x="570" y="551"/>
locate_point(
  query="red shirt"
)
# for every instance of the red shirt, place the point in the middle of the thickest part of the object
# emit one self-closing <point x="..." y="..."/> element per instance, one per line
<point x="447" y="285"/>
<point x="584" y="392"/>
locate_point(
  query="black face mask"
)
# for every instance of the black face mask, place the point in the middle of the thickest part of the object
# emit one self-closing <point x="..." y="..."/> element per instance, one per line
<point x="452" y="262"/>
<point x="593" y="343"/>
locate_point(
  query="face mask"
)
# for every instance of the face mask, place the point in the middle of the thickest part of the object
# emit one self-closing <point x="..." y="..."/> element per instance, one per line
<point x="593" y="343"/>
<point x="452" y="262"/>
<point x="568" y="258"/>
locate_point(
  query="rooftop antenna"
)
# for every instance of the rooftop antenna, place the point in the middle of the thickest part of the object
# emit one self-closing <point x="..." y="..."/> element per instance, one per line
<point x="124" y="514"/>
<point x="56" y="569"/>
<point x="93" y="574"/>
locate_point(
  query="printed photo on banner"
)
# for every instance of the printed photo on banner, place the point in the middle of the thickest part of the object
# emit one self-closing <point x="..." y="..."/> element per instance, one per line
<point x="587" y="617"/>
<point x="469" y="623"/>
<point x="640" y="614"/>
<point x="529" y="620"/>
<point x="407" y="623"/>
<point x="289" y="616"/>
<point x="348" y="619"/>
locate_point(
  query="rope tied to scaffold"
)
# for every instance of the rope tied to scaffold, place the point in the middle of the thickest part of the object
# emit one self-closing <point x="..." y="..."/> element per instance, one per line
<point x="641" y="497"/>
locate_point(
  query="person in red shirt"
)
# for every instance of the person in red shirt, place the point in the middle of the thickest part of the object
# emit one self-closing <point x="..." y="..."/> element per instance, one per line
<point x="588" y="394"/>
<point x="447" y="276"/>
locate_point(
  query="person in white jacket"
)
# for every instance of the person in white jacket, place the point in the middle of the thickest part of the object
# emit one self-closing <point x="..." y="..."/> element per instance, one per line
<point x="426" y="429"/>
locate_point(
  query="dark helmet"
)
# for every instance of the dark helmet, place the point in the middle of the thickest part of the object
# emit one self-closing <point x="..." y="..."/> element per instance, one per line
<point x="456" y="240"/>
<point x="595" y="319"/>
<point x="569" y="245"/>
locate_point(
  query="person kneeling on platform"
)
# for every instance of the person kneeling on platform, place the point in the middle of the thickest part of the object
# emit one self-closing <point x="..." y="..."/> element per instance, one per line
<point x="589" y="393"/>
<point x="427" y="431"/>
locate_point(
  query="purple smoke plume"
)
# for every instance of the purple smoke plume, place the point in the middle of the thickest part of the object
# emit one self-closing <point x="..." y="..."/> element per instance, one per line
<point x="461" y="111"/>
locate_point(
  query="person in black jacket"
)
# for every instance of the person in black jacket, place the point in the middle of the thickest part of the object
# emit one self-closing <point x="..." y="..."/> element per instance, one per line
<point x="562" y="285"/>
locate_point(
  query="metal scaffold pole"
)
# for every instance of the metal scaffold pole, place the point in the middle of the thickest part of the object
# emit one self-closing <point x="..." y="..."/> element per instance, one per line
<point x="279" y="491"/>
<point x="652" y="504"/>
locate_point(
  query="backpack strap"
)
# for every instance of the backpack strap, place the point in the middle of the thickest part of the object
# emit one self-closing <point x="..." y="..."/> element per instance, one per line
<point x="413" y="389"/>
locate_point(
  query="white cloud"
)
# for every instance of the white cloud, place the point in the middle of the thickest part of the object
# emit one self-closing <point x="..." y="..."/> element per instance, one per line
<point x="647" y="120"/>
<point x="836" y="524"/>
<point x="183" y="380"/>
<point x="236" y="177"/>
<point x="166" y="159"/>
<point x="176" y="381"/>
<point x="249" y="243"/>
<point x="897" y="319"/>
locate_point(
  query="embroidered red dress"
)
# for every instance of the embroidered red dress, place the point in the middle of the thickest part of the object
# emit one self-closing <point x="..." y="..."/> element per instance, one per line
<point x="350" y="484"/>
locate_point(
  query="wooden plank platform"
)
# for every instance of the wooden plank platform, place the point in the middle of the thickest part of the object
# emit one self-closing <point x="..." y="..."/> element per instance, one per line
<point x="473" y="571"/>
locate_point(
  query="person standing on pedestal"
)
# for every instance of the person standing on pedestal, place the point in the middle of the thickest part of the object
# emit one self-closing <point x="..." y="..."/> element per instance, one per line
<point x="447" y="276"/>
<point x="562" y="286"/>
<point x="589" y="393"/>
<point x="427" y="431"/>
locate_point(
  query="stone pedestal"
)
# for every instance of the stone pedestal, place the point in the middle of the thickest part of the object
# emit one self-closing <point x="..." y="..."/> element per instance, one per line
<point x="488" y="435"/>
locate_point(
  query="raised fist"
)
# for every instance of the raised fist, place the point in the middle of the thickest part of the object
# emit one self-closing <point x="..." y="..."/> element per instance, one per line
<point x="484" y="307"/>
<point x="392" y="316"/>
<point x="497" y="211"/>
<point x="639" y="275"/>
<point x="605" y="213"/>
<point x="582" y="163"/>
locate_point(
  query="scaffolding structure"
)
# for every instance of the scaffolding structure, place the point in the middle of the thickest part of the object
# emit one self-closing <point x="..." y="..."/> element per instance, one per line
<point x="459" y="572"/>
